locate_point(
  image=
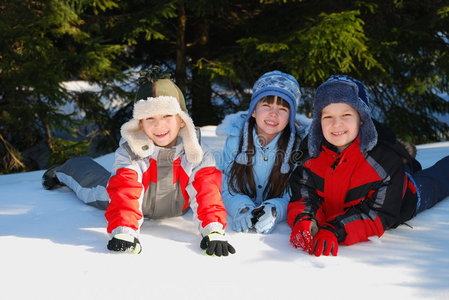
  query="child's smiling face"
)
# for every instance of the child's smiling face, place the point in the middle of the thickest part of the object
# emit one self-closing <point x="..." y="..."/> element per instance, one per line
<point x="271" y="118"/>
<point x="340" y="124"/>
<point x="162" y="129"/>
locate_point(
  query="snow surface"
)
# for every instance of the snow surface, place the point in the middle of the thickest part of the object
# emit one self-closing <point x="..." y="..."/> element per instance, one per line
<point x="54" y="247"/>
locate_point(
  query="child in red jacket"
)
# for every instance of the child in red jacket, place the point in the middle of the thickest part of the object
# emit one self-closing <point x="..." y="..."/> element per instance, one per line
<point x="159" y="171"/>
<point x="352" y="186"/>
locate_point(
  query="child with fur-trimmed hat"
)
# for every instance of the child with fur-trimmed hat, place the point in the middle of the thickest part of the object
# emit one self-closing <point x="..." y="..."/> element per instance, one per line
<point x="353" y="186"/>
<point x="257" y="156"/>
<point x="160" y="171"/>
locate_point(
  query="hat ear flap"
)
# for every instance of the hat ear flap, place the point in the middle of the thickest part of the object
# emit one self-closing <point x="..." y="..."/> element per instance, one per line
<point x="137" y="140"/>
<point x="315" y="137"/>
<point x="192" y="147"/>
<point x="368" y="133"/>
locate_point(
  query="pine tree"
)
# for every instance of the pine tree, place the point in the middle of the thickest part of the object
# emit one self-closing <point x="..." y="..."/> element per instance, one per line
<point x="43" y="44"/>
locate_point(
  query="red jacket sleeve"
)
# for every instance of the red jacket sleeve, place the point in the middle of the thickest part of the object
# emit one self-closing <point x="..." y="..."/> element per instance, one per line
<point x="209" y="204"/>
<point x="304" y="201"/>
<point x="124" y="191"/>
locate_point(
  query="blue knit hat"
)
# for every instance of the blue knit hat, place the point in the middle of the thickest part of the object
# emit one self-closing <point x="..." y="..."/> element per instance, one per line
<point x="285" y="86"/>
<point x="342" y="89"/>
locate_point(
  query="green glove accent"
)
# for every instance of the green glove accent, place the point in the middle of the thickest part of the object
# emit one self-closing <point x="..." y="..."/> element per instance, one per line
<point x="125" y="242"/>
<point x="215" y="243"/>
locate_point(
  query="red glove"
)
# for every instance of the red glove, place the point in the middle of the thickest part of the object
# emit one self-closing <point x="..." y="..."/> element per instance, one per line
<point x="301" y="236"/>
<point x="324" y="243"/>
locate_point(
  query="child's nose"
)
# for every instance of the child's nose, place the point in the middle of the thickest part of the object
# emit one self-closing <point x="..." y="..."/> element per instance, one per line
<point x="274" y="111"/>
<point x="158" y="123"/>
<point x="336" y="121"/>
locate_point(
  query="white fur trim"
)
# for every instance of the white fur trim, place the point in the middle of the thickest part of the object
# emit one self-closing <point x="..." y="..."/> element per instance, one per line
<point x="143" y="146"/>
<point x="162" y="105"/>
<point x="194" y="152"/>
<point x="137" y="140"/>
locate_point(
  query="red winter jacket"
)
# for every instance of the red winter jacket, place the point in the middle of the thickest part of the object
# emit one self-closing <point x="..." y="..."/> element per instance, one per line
<point x="163" y="185"/>
<point x="360" y="195"/>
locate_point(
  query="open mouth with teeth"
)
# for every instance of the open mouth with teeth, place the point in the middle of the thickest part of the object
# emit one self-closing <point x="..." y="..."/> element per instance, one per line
<point x="271" y="123"/>
<point x="161" y="135"/>
<point x="338" y="133"/>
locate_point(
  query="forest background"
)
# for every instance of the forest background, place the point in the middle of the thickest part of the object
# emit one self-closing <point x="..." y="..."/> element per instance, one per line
<point x="215" y="50"/>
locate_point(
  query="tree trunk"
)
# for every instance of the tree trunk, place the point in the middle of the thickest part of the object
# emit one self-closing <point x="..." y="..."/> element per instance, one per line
<point x="202" y="109"/>
<point x="180" y="72"/>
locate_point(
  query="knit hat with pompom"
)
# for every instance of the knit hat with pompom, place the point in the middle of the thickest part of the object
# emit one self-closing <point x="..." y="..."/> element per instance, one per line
<point x="285" y="86"/>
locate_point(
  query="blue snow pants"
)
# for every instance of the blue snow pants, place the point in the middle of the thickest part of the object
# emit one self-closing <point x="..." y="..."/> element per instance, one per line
<point x="432" y="184"/>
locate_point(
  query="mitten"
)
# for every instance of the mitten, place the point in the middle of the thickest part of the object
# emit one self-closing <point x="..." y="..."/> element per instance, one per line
<point x="125" y="242"/>
<point x="242" y="221"/>
<point x="302" y="234"/>
<point x="215" y="243"/>
<point x="266" y="219"/>
<point x="325" y="242"/>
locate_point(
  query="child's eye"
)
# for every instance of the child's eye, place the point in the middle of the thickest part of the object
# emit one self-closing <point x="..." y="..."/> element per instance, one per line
<point x="149" y="118"/>
<point x="168" y="116"/>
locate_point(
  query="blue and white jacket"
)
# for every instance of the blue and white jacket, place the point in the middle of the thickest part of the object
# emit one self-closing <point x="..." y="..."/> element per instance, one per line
<point x="263" y="162"/>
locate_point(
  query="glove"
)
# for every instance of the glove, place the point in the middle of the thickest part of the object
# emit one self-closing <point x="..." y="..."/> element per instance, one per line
<point x="242" y="221"/>
<point x="125" y="242"/>
<point x="256" y="214"/>
<point x="266" y="219"/>
<point x="302" y="234"/>
<point x="324" y="243"/>
<point x="216" y="243"/>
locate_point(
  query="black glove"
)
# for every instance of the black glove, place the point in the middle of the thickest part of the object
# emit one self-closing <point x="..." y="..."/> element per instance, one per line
<point x="266" y="219"/>
<point x="216" y="243"/>
<point x="125" y="242"/>
<point x="257" y="213"/>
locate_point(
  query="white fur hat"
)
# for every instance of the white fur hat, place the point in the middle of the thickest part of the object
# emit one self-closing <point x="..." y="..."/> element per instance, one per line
<point x="143" y="146"/>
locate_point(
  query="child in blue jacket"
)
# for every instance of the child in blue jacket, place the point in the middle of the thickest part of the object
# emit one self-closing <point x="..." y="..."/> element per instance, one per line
<point x="257" y="156"/>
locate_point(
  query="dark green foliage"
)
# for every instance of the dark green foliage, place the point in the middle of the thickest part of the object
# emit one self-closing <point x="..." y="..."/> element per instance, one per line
<point x="215" y="50"/>
<point x="65" y="149"/>
<point x="410" y="40"/>
<point x="43" y="44"/>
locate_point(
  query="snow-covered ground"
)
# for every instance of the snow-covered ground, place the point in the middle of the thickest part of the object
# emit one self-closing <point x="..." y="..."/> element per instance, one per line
<point x="52" y="246"/>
